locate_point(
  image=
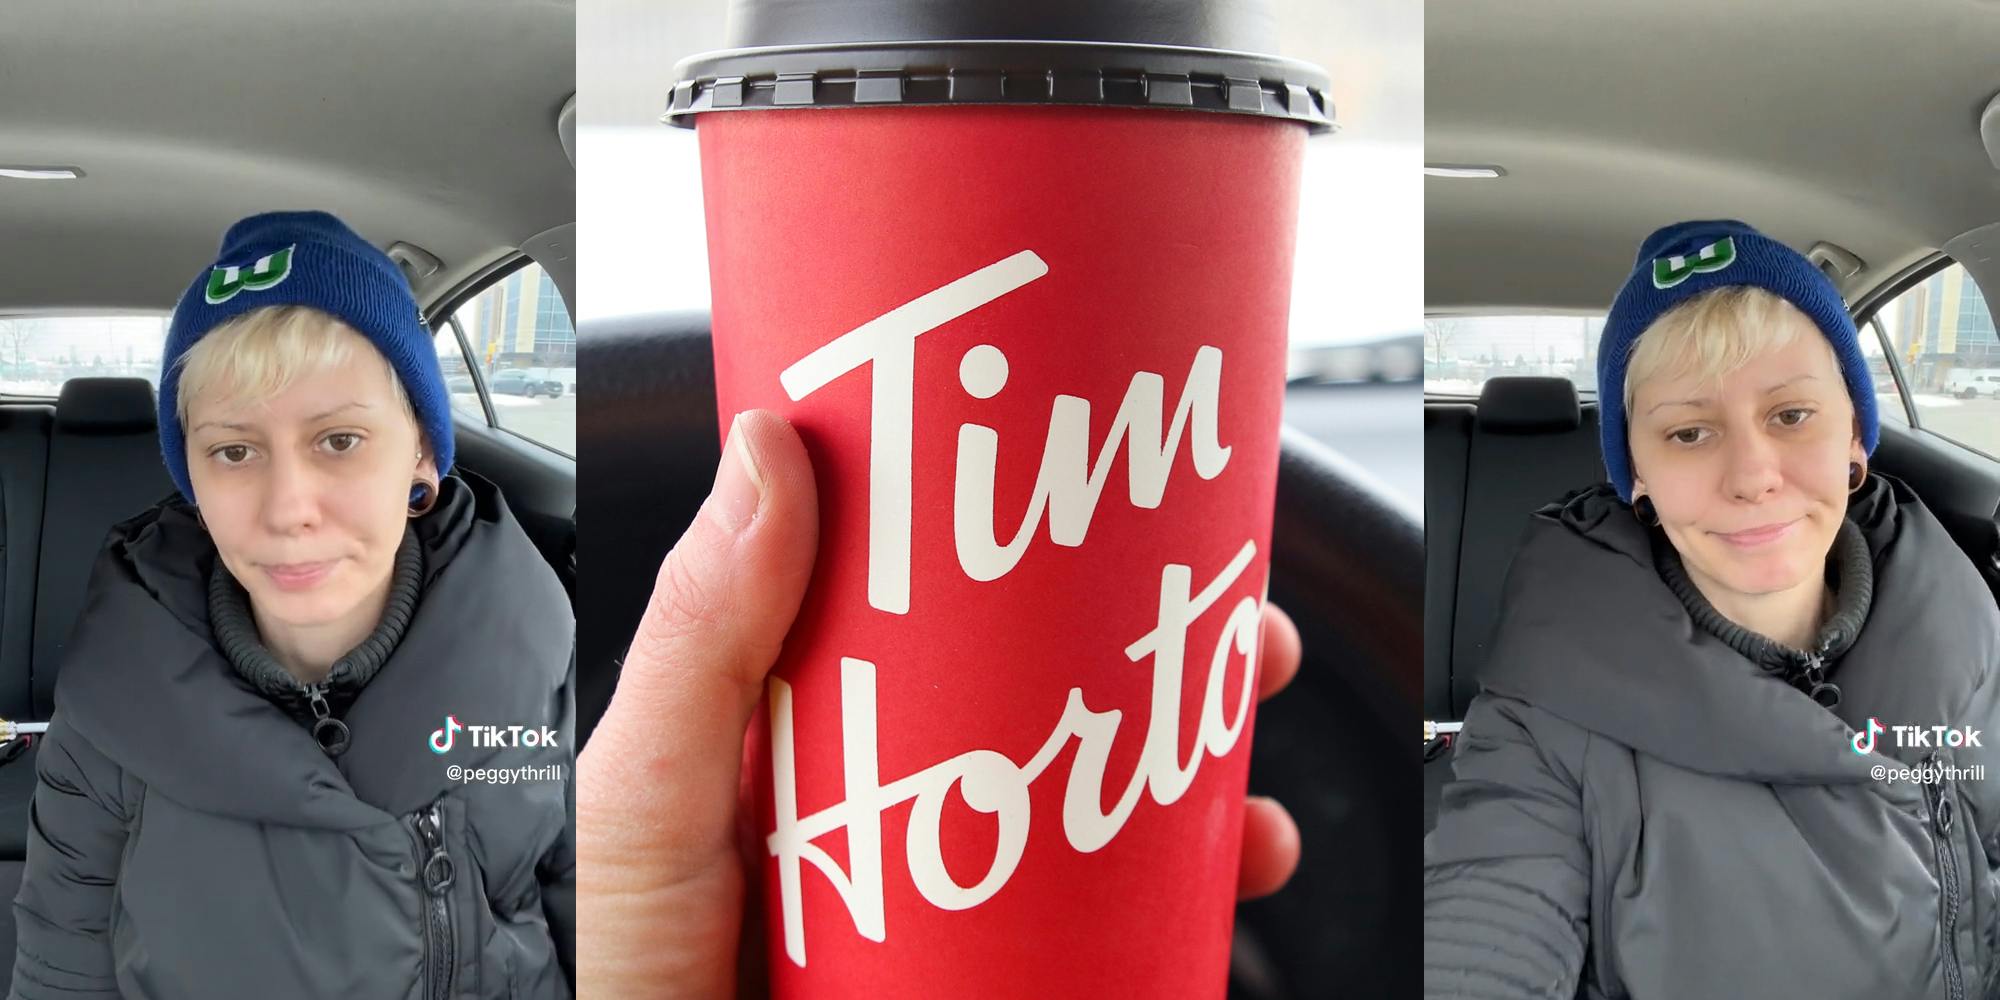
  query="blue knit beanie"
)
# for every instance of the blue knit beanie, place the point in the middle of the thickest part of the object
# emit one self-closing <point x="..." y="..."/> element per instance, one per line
<point x="1684" y="260"/>
<point x="308" y="259"/>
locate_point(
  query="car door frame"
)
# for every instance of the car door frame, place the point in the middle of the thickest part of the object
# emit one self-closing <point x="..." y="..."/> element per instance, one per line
<point x="538" y="481"/>
<point x="1959" y="484"/>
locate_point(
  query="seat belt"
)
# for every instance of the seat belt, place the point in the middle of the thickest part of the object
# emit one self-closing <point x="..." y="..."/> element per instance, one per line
<point x="1438" y="737"/>
<point x="17" y="737"/>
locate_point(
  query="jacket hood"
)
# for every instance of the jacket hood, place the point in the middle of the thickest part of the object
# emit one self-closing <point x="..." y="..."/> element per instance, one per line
<point x="146" y="683"/>
<point x="1590" y="631"/>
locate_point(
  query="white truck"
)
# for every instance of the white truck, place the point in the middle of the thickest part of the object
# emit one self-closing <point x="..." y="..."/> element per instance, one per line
<point x="1970" y="383"/>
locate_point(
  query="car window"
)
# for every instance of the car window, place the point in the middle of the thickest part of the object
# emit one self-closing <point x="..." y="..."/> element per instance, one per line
<point x="1462" y="352"/>
<point x="1941" y="332"/>
<point x="520" y="343"/>
<point x="1877" y="345"/>
<point x="39" y="353"/>
<point x="458" y="380"/>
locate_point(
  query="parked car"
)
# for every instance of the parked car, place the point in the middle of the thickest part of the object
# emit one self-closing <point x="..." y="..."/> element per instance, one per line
<point x="515" y="382"/>
<point x="1387" y="359"/>
<point x="560" y="381"/>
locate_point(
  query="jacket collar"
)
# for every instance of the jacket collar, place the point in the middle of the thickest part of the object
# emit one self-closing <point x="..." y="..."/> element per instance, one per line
<point x="235" y="631"/>
<point x="491" y="642"/>
<point x="1590" y="631"/>
<point x="1851" y="574"/>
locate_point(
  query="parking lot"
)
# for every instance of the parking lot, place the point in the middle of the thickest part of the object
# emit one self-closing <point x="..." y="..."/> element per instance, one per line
<point x="548" y="421"/>
<point x="1974" y="423"/>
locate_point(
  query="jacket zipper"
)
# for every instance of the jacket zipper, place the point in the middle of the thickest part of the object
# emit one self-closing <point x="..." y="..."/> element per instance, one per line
<point x="1938" y="797"/>
<point x="436" y="871"/>
<point x="1811" y="676"/>
<point x="330" y="733"/>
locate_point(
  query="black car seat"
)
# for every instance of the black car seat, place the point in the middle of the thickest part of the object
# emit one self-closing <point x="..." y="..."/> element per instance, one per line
<point x="1487" y="467"/>
<point x="67" y="474"/>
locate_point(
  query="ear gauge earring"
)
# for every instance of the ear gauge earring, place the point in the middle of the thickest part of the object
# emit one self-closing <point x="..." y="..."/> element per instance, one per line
<point x="1642" y="508"/>
<point x="426" y="497"/>
<point x="1857" y="474"/>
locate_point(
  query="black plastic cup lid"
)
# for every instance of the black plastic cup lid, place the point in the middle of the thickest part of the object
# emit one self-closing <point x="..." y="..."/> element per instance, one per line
<point x="1198" y="55"/>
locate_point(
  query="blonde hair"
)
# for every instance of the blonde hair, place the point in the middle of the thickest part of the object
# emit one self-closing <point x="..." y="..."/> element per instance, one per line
<point x="1713" y="334"/>
<point x="261" y="353"/>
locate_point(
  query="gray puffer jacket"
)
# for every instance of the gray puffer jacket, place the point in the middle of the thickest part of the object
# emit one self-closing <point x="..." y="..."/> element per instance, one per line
<point x="191" y="839"/>
<point x="1648" y="803"/>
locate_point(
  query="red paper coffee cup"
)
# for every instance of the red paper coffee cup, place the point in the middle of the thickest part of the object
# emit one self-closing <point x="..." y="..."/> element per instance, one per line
<point x="1037" y="356"/>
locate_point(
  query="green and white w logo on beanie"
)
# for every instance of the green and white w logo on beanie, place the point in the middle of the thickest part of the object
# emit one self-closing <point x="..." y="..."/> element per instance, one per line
<point x="1671" y="271"/>
<point x="269" y="270"/>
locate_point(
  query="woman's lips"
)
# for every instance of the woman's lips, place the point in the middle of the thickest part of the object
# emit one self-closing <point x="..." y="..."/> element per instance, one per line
<point x="297" y="576"/>
<point x="1754" y="537"/>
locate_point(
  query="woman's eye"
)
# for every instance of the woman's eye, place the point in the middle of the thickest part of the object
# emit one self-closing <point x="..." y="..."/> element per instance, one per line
<point x="1794" y="417"/>
<point x="342" y="443"/>
<point x="1688" y="435"/>
<point x="232" y="454"/>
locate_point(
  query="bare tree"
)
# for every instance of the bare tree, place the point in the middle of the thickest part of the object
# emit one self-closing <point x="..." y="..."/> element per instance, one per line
<point x="15" y="336"/>
<point x="1438" y="335"/>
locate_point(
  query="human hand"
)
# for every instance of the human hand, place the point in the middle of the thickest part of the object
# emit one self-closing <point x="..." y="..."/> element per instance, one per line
<point x="660" y="879"/>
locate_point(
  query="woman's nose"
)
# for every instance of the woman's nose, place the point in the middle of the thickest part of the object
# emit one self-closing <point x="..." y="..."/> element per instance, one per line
<point x="291" y="495"/>
<point x="1753" y="468"/>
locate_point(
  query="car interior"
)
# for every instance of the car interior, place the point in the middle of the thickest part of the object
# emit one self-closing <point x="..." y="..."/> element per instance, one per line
<point x="1727" y="111"/>
<point x="462" y="162"/>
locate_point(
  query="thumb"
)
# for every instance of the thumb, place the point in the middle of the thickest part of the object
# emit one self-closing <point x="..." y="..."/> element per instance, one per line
<point x="659" y="882"/>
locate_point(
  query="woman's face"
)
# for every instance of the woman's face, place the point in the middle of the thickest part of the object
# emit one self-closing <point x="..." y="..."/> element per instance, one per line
<point x="306" y="494"/>
<point x="1750" y="476"/>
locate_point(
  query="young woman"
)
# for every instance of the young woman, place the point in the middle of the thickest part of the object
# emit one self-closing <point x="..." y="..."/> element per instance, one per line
<point x="1680" y="778"/>
<point x="254" y="783"/>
